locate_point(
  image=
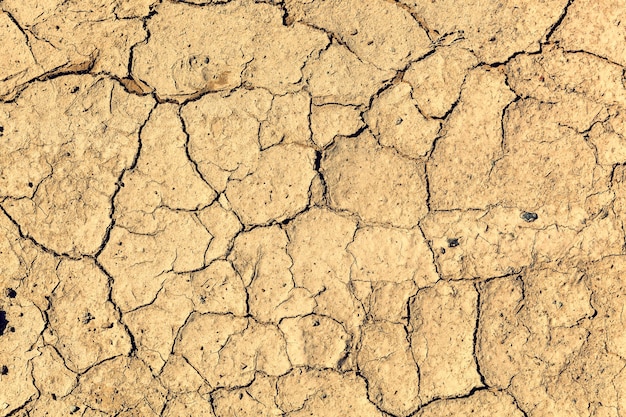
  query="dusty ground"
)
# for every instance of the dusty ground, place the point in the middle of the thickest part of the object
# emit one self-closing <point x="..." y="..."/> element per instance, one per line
<point x="312" y="208"/>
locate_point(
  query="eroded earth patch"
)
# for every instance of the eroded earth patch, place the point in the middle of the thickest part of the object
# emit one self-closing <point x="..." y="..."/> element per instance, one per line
<point x="312" y="208"/>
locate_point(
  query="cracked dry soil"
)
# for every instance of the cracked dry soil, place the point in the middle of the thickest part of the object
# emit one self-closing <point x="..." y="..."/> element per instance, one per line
<point x="312" y="208"/>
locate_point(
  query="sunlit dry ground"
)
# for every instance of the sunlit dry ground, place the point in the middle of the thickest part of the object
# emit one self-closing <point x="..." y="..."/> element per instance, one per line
<point x="312" y="208"/>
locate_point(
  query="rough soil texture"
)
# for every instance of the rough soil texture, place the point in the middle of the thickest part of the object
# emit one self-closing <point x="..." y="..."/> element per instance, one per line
<point x="313" y="208"/>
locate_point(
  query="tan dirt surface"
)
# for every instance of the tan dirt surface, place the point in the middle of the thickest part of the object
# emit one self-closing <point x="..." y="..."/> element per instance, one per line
<point x="290" y="208"/>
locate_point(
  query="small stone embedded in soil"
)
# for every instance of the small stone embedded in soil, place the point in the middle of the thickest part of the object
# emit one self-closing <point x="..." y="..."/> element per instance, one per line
<point x="3" y="322"/>
<point x="498" y="235"/>
<point x="529" y="217"/>
<point x="453" y="242"/>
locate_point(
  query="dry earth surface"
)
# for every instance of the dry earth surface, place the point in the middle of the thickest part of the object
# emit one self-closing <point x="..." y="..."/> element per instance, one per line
<point x="313" y="208"/>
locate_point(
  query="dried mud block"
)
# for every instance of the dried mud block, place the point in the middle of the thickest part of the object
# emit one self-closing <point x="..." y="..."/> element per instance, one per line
<point x="318" y="240"/>
<point x="287" y="121"/>
<point x="561" y="297"/>
<point x="21" y="324"/>
<point x="256" y="400"/>
<point x="155" y="326"/>
<point x="19" y="64"/>
<point x="500" y="330"/>
<point x="394" y="255"/>
<point x="444" y="315"/>
<point x="224" y="142"/>
<point x="133" y="8"/>
<point x="374" y="182"/>
<point x="218" y="288"/>
<point x="121" y="386"/>
<point x="228" y="350"/>
<point x="279" y="187"/>
<point x="189" y="404"/>
<point x="183" y="64"/>
<point x="224" y="134"/>
<point x="459" y="166"/>
<point x="163" y="175"/>
<point x="594" y="27"/>
<point x="478" y="243"/>
<point x="534" y="334"/>
<point x="606" y="281"/>
<point x="47" y="405"/>
<point x="338" y="76"/>
<point x="25" y="270"/>
<point x="385" y="300"/>
<point x="396" y="122"/>
<point x="179" y="377"/>
<point x="139" y="260"/>
<point x="438" y="78"/>
<point x="223" y="225"/>
<point x="85" y="326"/>
<point x="50" y="374"/>
<point x="332" y="120"/>
<point x="324" y="393"/>
<point x="53" y="37"/>
<point x="546" y="168"/>
<point x="495" y="30"/>
<point x="482" y="403"/>
<point x="394" y="264"/>
<point x="66" y="142"/>
<point x="314" y="341"/>
<point x="261" y="259"/>
<point x="609" y="138"/>
<point x="386" y="362"/>
<point x="556" y="75"/>
<point x="378" y="31"/>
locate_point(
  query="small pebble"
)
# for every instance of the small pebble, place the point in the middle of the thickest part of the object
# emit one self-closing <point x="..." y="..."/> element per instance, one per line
<point x="529" y="217"/>
<point x="453" y="242"/>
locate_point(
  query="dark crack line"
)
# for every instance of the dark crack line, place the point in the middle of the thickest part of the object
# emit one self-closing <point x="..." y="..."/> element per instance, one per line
<point x="119" y="184"/>
<point x="475" y="347"/>
<point x="556" y="24"/>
